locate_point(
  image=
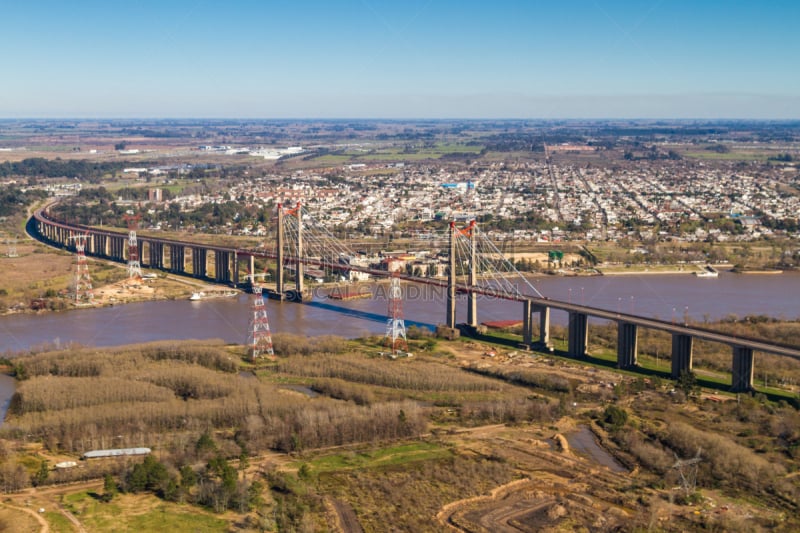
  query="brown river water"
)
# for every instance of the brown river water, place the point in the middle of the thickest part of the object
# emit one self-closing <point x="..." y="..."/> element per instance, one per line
<point x="669" y="297"/>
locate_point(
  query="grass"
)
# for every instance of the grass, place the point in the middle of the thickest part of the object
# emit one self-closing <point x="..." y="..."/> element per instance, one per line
<point x="58" y="522"/>
<point x="649" y="268"/>
<point x="134" y="513"/>
<point x="17" y="521"/>
<point x="382" y="457"/>
<point x="398" y="154"/>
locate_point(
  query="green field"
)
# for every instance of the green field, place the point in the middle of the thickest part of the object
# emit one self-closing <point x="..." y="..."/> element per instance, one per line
<point x="58" y="522"/>
<point x="398" y="154"/>
<point x="729" y="156"/>
<point x="135" y="513"/>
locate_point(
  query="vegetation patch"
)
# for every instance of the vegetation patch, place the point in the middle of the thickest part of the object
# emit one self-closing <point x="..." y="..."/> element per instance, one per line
<point x="380" y="457"/>
<point x="135" y="513"/>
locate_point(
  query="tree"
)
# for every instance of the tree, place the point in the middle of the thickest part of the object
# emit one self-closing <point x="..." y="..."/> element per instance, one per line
<point x="615" y="417"/>
<point x="687" y="382"/>
<point x="109" y="488"/>
<point x="205" y="444"/>
<point x="41" y="474"/>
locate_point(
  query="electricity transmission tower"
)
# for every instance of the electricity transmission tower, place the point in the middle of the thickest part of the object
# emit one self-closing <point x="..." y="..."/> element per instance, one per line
<point x="82" y="281"/>
<point x="134" y="267"/>
<point x="260" y="339"/>
<point x="687" y="468"/>
<point x="395" y="325"/>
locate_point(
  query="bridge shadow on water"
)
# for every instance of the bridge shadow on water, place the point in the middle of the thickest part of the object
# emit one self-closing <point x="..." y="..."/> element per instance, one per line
<point x="364" y="315"/>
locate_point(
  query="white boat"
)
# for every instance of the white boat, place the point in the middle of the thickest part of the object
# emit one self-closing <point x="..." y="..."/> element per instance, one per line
<point x="197" y="296"/>
<point x="707" y="272"/>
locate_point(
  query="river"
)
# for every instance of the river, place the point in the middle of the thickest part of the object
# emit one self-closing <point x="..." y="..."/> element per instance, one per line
<point x="662" y="296"/>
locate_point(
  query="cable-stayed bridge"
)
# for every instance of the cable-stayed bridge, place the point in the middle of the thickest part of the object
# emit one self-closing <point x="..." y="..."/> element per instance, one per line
<point x="471" y="265"/>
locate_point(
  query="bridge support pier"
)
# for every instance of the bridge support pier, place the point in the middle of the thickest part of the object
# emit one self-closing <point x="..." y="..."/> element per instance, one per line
<point x="742" y="369"/>
<point x="157" y="255"/>
<point x="544" y="327"/>
<point x="527" y="323"/>
<point x="221" y="267"/>
<point x="627" y="344"/>
<point x="578" y="334"/>
<point x="681" y="354"/>
<point x="177" y="258"/>
<point x="118" y="248"/>
<point x="199" y="262"/>
<point x="103" y="245"/>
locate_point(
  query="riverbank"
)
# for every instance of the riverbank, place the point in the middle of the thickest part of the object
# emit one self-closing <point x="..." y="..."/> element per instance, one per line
<point x="636" y="270"/>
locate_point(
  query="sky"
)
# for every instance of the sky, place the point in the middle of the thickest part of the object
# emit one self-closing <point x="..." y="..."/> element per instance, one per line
<point x="400" y="59"/>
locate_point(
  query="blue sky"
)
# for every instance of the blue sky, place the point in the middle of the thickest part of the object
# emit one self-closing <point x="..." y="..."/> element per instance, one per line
<point x="400" y="59"/>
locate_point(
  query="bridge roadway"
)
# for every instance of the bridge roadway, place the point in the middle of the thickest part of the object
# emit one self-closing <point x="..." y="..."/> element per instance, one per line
<point x="112" y="246"/>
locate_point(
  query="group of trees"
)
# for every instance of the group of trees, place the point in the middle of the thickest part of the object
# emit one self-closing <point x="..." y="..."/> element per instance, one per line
<point x="13" y="200"/>
<point x="39" y="167"/>
<point x="217" y="484"/>
<point x="79" y="400"/>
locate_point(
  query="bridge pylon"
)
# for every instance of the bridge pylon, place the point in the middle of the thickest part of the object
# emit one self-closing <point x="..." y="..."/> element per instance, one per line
<point x="450" y="319"/>
<point x="472" y="296"/>
<point x="296" y="257"/>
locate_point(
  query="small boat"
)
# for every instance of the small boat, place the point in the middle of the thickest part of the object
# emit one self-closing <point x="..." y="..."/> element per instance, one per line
<point x="196" y="296"/>
<point x="707" y="272"/>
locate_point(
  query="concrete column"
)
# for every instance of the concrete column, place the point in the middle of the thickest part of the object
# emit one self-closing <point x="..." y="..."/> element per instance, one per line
<point x="627" y="344"/>
<point x="280" y="259"/>
<point x="527" y="323"/>
<point x="145" y="252"/>
<point x="544" y="326"/>
<point x="472" y="297"/>
<point x="219" y="266"/>
<point x="177" y="258"/>
<point x="681" y="354"/>
<point x="235" y="269"/>
<point x="149" y="259"/>
<point x="451" y="280"/>
<point x="742" y="369"/>
<point x="159" y="252"/>
<point x="578" y="334"/>
<point x="222" y="266"/>
<point x="202" y="254"/>
<point x="195" y="267"/>
<point x="116" y="248"/>
<point x="199" y="266"/>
